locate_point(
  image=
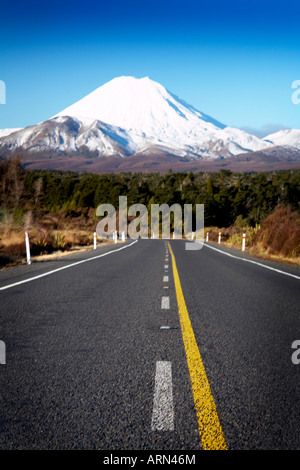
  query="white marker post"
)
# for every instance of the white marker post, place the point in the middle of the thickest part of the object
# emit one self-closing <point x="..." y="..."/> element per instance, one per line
<point x="27" y="248"/>
<point x="116" y="237"/>
<point x="95" y="240"/>
<point x="244" y="242"/>
<point x="219" y="239"/>
<point x="123" y="236"/>
<point x="207" y="237"/>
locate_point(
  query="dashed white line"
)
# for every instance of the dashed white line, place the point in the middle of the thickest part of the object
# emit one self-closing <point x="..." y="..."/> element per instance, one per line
<point x="165" y="302"/>
<point x="163" y="412"/>
<point x="166" y="279"/>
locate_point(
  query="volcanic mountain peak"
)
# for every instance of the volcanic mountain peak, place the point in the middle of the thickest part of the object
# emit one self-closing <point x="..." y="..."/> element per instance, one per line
<point x="137" y="104"/>
<point x="144" y="108"/>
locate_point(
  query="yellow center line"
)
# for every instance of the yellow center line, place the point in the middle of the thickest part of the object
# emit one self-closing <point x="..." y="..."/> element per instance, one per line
<point x="210" y="429"/>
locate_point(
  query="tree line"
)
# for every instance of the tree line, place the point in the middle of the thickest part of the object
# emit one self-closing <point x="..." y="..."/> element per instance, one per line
<point x="227" y="196"/>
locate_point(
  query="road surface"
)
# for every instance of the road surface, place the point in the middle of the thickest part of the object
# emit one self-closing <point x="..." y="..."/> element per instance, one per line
<point x="148" y="346"/>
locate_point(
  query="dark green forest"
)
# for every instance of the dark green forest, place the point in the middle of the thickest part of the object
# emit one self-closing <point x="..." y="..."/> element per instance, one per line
<point x="226" y="195"/>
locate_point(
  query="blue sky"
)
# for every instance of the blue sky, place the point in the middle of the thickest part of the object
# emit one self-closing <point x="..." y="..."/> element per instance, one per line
<point x="233" y="60"/>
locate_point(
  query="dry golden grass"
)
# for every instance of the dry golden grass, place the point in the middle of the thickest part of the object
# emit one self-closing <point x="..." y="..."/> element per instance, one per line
<point x="11" y="237"/>
<point x="74" y="249"/>
<point x="64" y="243"/>
<point x="280" y="234"/>
<point x="264" y="254"/>
<point x="50" y="237"/>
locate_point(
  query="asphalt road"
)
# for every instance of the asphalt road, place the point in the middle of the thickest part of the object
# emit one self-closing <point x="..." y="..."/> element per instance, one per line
<point x="88" y="365"/>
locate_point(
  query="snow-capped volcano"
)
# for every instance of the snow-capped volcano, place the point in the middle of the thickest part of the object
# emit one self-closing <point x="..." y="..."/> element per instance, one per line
<point x="151" y="115"/>
<point x="129" y="116"/>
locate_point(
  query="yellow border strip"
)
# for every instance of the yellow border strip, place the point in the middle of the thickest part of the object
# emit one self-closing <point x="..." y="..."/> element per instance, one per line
<point x="210" y="430"/>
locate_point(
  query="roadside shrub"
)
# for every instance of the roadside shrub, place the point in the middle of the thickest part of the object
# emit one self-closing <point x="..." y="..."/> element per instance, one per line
<point x="280" y="233"/>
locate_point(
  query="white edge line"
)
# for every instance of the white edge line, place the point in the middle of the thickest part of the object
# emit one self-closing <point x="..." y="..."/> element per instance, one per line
<point x="253" y="262"/>
<point x="66" y="267"/>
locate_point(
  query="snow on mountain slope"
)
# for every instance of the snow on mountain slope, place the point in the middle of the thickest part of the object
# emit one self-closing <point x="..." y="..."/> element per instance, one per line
<point x="66" y="135"/>
<point x="289" y="137"/>
<point x="5" y="132"/>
